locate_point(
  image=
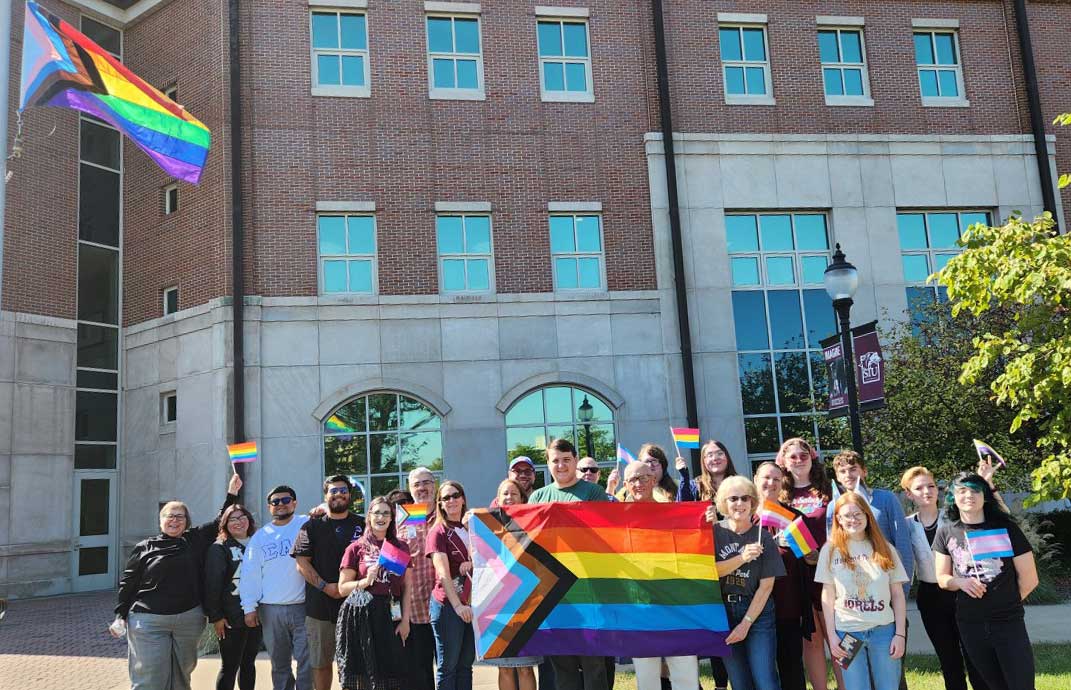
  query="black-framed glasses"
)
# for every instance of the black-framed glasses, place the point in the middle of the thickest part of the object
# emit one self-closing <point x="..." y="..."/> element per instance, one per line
<point x="738" y="499"/>
<point x="335" y="490"/>
<point x="284" y="501"/>
<point x="237" y="518"/>
<point x="589" y="470"/>
<point x="449" y="497"/>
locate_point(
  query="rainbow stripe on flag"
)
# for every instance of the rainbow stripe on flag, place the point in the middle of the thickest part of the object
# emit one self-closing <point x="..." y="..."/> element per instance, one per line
<point x="410" y="514"/>
<point x="684" y="437"/>
<point x="990" y="543"/>
<point x="775" y="515"/>
<point x="596" y="579"/>
<point x="799" y="538"/>
<point x="63" y="68"/>
<point x="394" y="558"/>
<point x="242" y="452"/>
<point x="335" y="425"/>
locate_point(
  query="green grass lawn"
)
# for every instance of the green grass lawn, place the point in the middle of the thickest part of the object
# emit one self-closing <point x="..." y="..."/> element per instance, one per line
<point x="924" y="673"/>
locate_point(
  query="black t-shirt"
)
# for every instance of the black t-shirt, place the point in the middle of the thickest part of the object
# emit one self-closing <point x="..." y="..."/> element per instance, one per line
<point x="1001" y="601"/>
<point x="324" y="540"/>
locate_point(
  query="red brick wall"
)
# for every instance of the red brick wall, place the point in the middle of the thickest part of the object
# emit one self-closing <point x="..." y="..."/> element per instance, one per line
<point x="184" y="43"/>
<point x="1049" y="22"/>
<point x="41" y="217"/>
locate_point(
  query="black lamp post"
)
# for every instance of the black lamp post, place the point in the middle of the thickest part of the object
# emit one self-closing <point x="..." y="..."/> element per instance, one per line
<point x="841" y="281"/>
<point x="585" y="413"/>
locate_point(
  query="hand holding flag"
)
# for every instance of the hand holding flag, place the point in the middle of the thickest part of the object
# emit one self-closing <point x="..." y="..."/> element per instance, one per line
<point x="394" y="558"/>
<point x="986" y="452"/>
<point x="242" y="452"/>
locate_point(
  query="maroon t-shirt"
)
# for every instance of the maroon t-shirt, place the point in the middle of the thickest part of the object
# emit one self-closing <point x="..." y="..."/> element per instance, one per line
<point x="807" y="500"/>
<point x="362" y="554"/>
<point x="451" y="539"/>
<point x="792" y="591"/>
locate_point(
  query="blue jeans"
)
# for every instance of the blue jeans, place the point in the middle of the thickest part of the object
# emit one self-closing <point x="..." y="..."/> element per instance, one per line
<point x="751" y="665"/>
<point x="455" y="647"/>
<point x="873" y="664"/>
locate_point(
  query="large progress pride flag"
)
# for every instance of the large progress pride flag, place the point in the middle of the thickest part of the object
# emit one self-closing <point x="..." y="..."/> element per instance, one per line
<point x="596" y="579"/>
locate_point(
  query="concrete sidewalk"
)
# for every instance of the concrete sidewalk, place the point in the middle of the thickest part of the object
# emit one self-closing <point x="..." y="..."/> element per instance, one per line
<point x="61" y="642"/>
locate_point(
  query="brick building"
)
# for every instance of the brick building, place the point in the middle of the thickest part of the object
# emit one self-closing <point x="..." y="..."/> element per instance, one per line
<point x="456" y="241"/>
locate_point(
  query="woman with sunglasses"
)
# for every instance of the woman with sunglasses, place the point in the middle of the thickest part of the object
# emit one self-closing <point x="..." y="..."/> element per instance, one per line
<point x="238" y="644"/>
<point x="451" y="614"/>
<point x="863" y="596"/>
<point x="160" y="595"/>
<point x="983" y="557"/>
<point x="747" y="562"/>
<point x="373" y="622"/>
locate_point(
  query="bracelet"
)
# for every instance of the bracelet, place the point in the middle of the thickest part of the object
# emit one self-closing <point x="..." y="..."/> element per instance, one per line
<point x="899" y="635"/>
<point x="322" y="585"/>
<point x="748" y="618"/>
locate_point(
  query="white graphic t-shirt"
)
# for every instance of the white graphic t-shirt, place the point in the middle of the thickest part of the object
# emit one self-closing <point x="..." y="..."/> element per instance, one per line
<point x="863" y="593"/>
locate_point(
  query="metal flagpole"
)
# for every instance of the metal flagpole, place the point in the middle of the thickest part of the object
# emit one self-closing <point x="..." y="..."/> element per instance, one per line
<point x="5" y="74"/>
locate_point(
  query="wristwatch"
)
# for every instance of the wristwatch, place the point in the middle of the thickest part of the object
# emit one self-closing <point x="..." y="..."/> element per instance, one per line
<point x="748" y="618"/>
<point x="321" y="585"/>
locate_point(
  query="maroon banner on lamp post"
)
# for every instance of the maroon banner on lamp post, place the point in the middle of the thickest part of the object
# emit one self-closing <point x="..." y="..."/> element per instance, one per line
<point x="869" y="370"/>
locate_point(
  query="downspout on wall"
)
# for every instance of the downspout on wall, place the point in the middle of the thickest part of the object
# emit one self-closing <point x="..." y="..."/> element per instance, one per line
<point x="237" y="234"/>
<point x="1037" y="124"/>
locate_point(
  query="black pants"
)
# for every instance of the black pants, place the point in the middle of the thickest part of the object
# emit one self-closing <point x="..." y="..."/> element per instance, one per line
<point x="1001" y="652"/>
<point x="790" y="655"/>
<point x="721" y="675"/>
<point x="420" y="656"/>
<point x="580" y="672"/>
<point x="546" y="675"/>
<point x="938" y="610"/>
<point x="238" y="652"/>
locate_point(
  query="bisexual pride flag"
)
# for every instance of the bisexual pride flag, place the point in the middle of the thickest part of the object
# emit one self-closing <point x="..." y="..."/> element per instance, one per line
<point x="990" y="543"/>
<point x="596" y="579"/>
<point x="684" y="437"/>
<point x="393" y="558"/>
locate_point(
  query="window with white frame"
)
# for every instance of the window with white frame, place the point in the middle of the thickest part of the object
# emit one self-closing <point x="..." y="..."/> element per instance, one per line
<point x="745" y="62"/>
<point x="455" y="62"/>
<point x="928" y="239"/>
<point x="843" y="59"/>
<point x="347" y="244"/>
<point x="168" y="408"/>
<point x="465" y="258"/>
<point x="339" y="53"/>
<point x="781" y="312"/>
<point x="170" y="199"/>
<point x="172" y="92"/>
<point x="938" y="63"/>
<point x="576" y="250"/>
<point x="564" y="60"/>
<point x="170" y="300"/>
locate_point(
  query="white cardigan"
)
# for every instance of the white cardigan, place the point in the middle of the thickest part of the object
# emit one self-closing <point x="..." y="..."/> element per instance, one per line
<point x="925" y="567"/>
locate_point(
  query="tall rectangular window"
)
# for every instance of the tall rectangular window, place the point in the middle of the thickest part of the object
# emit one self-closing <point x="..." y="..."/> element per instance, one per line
<point x="939" y="69"/>
<point x="347" y="246"/>
<point x="576" y="251"/>
<point x="844" y="72"/>
<point x="170" y="300"/>
<point x="170" y="199"/>
<point x="455" y="60"/>
<point x="928" y="239"/>
<point x="339" y="53"/>
<point x="465" y="256"/>
<point x="564" y="60"/>
<point x="745" y="63"/>
<point x="781" y="311"/>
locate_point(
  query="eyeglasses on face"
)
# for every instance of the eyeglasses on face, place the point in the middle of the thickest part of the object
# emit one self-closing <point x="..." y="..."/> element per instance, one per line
<point x="284" y="501"/>
<point x="589" y="470"/>
<point x="175" y="516"/>
<point x="380" y="513"/>
<point x="738" y="499"/>
<point x="334" y="490"/>
<point x="851" y="517"/>
<point x="237" y="518"/>
<point x="524" y="470"/>
<point x="642" y="479"/>
<point x="449" y="497"/>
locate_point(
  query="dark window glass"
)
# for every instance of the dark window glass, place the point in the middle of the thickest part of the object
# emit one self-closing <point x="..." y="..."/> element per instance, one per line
<point x="761" y="433"/>
<point x="94" y="457"/>
<point x="793" y="386"/>
<point x="347" y="419"/>
<point x="98" y="346"/>
<point x="103" y="35"/>
<point x="98" y="284"/>
<point x="786" y="322"/>
<point x="820" y="317"/>
<point x="95" y="416"/>
<point x="171" y="202"/>
<point x="756" y="384"/>
<point x="93" y="560"/>
<point x="749" y="316"/>
<point x="383" y="453"/>
<point x="93" y="507"/>
<point x="98" y="206"/>
<point x="382" y="412"/>
<point x="793" y="427"/>
<point x="97" y="379"/>
<point x="100" y="145"/>
<point x="170" y="408"/>
<point x="345" y="454"/>
<point x="170" y="301"/>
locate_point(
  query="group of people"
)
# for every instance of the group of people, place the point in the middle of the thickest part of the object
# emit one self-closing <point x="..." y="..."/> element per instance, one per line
<point x="313" y="589"/>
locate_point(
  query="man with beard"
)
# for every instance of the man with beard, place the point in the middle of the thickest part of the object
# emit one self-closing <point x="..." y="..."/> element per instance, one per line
<point x="522" y="471"/>
<point x="319" y="547"/>
<point x="420" y="647"/>
<point x="273" y="594"/>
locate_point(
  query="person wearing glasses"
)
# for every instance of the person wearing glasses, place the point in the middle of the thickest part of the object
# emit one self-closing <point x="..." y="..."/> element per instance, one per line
<point x="373" y="623"/>
<point x="238" y="645"/>
<point x="420" y="647"/>
<point x="748" y="562"/>
<point x="863" y="596"/>
<point x="451" y="613"/>
<point x="655" y="457"/>
<point x="160" y="597"/>
<point x="272" y="591"/>
<point x="715" y="466"/>
<point x="318" y="550"/>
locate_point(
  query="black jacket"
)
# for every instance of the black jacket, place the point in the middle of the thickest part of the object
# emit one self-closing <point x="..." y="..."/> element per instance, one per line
<point x="221" y="582"/>
<point x="163" y="574"/>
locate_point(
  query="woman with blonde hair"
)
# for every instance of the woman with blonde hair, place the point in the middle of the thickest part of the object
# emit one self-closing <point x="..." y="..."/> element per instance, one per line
<point x="863" y="596"/>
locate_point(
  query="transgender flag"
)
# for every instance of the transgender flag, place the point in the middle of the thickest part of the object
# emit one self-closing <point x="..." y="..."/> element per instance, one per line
<point x="990" y="543"/>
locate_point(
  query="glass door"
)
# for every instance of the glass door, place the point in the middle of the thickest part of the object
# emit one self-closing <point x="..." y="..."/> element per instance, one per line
<point x="94" y="558"/>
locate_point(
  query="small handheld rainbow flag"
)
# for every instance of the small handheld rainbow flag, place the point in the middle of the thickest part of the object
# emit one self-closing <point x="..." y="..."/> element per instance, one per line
<point x="990" y="543"/>
<point x="986" y="451"/>
<point x="242" y="452"/>
<point x="799" y="538"/>
<point x="393" y="558"/>
<point x="684" y="437"/>
<point x="775" y="515"/>
<point x="410" y="514"/>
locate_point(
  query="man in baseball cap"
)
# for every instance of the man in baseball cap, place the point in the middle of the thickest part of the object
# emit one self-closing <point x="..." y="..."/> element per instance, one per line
<point x="522" y="471"/>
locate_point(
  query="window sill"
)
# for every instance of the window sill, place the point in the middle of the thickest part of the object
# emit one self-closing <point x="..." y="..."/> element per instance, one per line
<point x="945" y="103"/>
<point x="483" y="296"/>
<point x="566" y="97"/>
<point x="342" y="91"/>
<point x="856" y="101"/>
<point x="599" y="292"/>
<point x="750" y="100"/>
<point x="457" y="95"/>
<point x="167" y="428"/>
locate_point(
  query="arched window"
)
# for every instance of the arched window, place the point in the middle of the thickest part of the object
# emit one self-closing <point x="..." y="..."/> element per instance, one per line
<point x="378" y="438"/>
<point x="561" y="411"/>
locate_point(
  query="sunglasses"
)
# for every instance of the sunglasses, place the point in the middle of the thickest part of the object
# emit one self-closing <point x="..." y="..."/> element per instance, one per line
<point x="284" y="501"/>
<point x="589" y="470"/>
<point x="739" y="499"/>
<point x="449" y="497"/>
<point x="334" y="490"/>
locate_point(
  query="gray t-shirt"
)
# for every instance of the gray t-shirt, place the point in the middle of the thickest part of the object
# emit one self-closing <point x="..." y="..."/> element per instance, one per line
<point x="745" y="579"/>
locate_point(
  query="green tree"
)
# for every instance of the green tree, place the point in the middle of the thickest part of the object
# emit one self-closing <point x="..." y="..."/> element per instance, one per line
<point x="1024" y="269"/>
